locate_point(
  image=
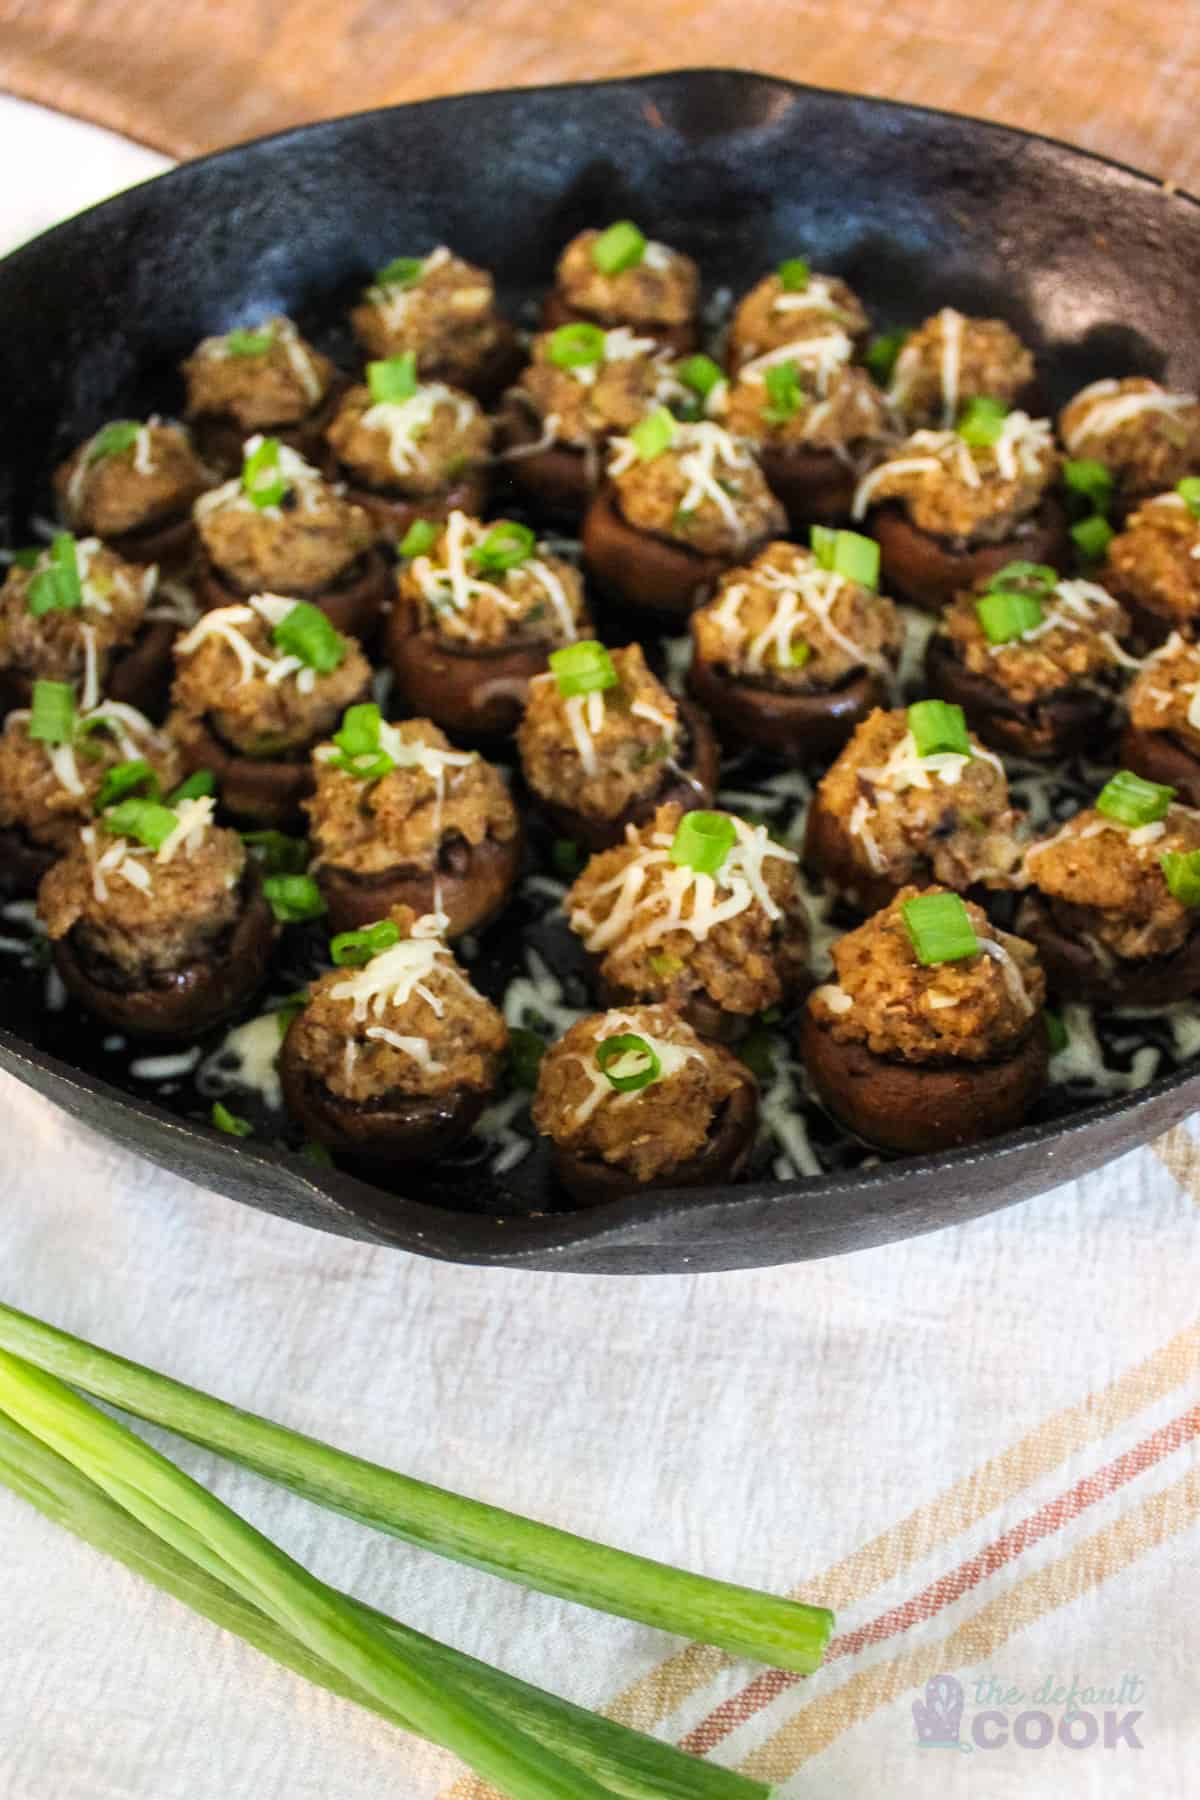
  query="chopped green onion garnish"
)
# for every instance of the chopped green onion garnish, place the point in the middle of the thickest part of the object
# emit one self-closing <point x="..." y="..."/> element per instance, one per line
<point x="1089" y="479"/>
<point x="846" y="553"/>
<point x="621" y="247"/>
<point x="289" y="1009"/>
<point x="653" y="434"/>
<point x="262" y="479"/>
<point x="525" y="1052"/>
<point x="198" y="786"/>
<point x="420" y="538"/>
<point x="583" y="668"/>
<point x="231" y="1122"/>
<point x="1189" y="492"/>
<point x="798" y="653"/>
<point x="627" y="1062"/>
<point x="938" y="728"/>
<point x="1092" y="537"/>
<point x="306" y="632"/>
<point x="666" y="966"/>
<point x="939" y="928"/>
<point x="1024" y="578"/>
<point x="793" y="275"/>
<point x="1056" y="1032"/>
<point x="144" y="820"/>
<point x="506" y="546"/>
<point x="360" y="729"/>
<point x="576" y="346"/>
<point x="701" y="374"/>
<point x="113" y="439"/>
<point x="52" y="719"/>
<point x="1182" y="870"/>
<point x="566" y="856"/>
<point x="702" y="841"/>
<point x="26" y="558"/>
<point x="58" y="588"/>
<point x="402" y="271"/>
<point x="394" y="379"/>
<point x="354" y="949"/>
<point x="1008" y="616"/>
<point x="981" y="421"/>
<point x="293" y="898"/>
<point x="785" y="396"/>
<point x="278" y="853"/>
<point x="240" y="342"/>
<point x="1131" y="801"/>
<point x="882" y="352"/>
<point x="757" y="1052"/>
<point x="123" y="779"/>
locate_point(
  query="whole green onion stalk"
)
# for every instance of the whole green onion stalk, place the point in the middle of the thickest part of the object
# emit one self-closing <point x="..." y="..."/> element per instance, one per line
<point x="739" y="1620"/>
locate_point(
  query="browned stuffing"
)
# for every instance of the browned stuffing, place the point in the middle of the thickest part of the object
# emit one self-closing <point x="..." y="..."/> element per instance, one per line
<point x="299" y="547"/>
<point x="34" y="801"/>
<point x="768" y="317"/>
<point x="279" y="387"/>
<point x="1077" y="648"/>
<point x="447" y="318"/>
<point x="1150" y="451"/>
<point x="940" y="498"/>
<point x="109" y="495"/>
<point x="661" y="495"/>
<point x="54" y="646"/>
<point x="511" y="607"/>
<point x="1164" y="690"/>
<point x="644" y="295"/>
<point x="1155" y="561"/>
<point x="852" y="416"/>
<point x="594" y="402"/>
<point x="992" y="361"/>
<point x="631" y="748"/>
<point x="440" y="449"/>
<point x="1106" y="883"/>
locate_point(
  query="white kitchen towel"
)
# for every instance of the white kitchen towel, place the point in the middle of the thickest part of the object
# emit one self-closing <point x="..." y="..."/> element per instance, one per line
<point x="978" y="1446"/>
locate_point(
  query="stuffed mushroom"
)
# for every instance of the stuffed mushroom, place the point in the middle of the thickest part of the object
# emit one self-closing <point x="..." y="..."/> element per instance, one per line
<point x="1162" y="738"/>
<point x="790" y="305"/>
<point x="256" y="686"/>
<point x="913" y="797"/>
<point x="157" y="919"/>
<point x="1034" y="660"/>
<point x="952" y="359"/>
<point x="280" y="528"/>
<point x="1153" y="565"/>
<point x="1145" y="435"/>
<point x="931" y="1033"/>
<point x="603" y="744"/>
<point x="952" y="507"/>
<point x="133" y="484"/>
<point x="478" y="611"/>
<point x="399" y="818"/>
<point x="394" y="1054"/>
<point x="634" y="1099"/>
<point x="682" y="504"/>
<point x="264" y="379"/>
<point x="442" y="310"/>
<point x="1112" y="898"/>
<point x="796" y="647"/>
<point x="620" y="277"/>
<point x="699" y="910"/>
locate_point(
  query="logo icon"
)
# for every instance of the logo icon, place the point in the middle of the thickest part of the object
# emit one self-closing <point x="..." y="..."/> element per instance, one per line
<point x="939" y="1715"/>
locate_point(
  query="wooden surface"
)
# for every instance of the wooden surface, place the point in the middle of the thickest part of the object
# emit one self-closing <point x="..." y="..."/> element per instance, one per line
<point x="1118" y="76"/>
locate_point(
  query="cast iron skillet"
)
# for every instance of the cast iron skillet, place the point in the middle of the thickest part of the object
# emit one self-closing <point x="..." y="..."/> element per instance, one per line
<point x="1092" y="263"/>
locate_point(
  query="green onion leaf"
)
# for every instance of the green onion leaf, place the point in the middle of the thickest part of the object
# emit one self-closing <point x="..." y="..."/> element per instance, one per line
<point x="822" y="541"/>
<point x="938" y="728"/>
<point x="794" y="275"/>
<point x="278" y="853"/>
<point x="394" y="379"/>
<point x="882" y="353"/>
<point x="981" y="421"/>
<point x="666" y="966"/>
<point x="127" y="778"/>
<point x="240" y="342"/>
<point x="785" y="396"/>
<point x="621" y="247"/>
<point x="26" y="558"/>
<point x="359" y="743"/>
<point x="58" y="587"/>
<point x="230" y="1122"/>
<point x="1024" y="578"/>
<point x="293" y="898"/>
<point x="420" y="538"/>
<point x="262" y="479"/>
<point x="354" y="949"/>
<point x="1092" y="537"/>
<point x="401" y="272"/>
<point x="146" y="821"/>
<point x="113" y="439"/>
<point x="1056" y="1031"/>
<point x="628" y="1063"/>
<point x="1189" y="492"/>
<point x="566" y="856"/>
<point x="525" y="1052"/>
<point x="939" y="928"/>
<point x="52" y="718"/>
<point x="757" y="1051"/>
<point x="583" y="668"/>
<point x="1182" y="870"/>
<point x="1129" y="800"/>
<point x="653" y="434"/>
<point x="700" y="373"/>
<point x="199" y="786"/>
<point x="798" y="653"/>
<point x="1008" y="616"/>
<point x="506" y="546"/>
<point x="289" y="1009"/>
<point x="308" y="633"/>
<point x="576" y="346"/>
<point x="1089" y="479"/>
<point x="702" y="841"/>
<point x="846" y="553"/>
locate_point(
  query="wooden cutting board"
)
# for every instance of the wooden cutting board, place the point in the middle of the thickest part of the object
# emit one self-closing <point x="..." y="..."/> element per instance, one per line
<point x="1117" y="77"/>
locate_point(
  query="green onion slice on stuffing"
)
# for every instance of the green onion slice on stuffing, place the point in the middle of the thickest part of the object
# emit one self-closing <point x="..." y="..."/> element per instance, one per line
<point x="113" y="439"/>
<point x="307" y="632"/>
<point x="1024" y="578"/>
<point x="293" y="898"/>
<point x="1182" y="871"/>
<point x="1089" y="479"/>
<point x="1129" y="800"/>
<point x="198" y="786"/>
<point x="981" y="421"/>
<point x="420" y="538"/>
<point x="621" y="247"/>
<point x="52" y="718"/>
<point x="240" y="342"/>
<point x="354" y="949"/>
<point x="938" y="728"/>
<point x="263" y="481"/>
<point x="147" y="821"/>
<point x="1189" y="492"/>
<point x="1008" y="616"/>
<point x="627" y="1062"/>
<point x="506" y="546"/>
<point x="653" y="434"/>
<point x="401" y="272"/>
<point x="702" y="841"/>
<point x="700" y="373"/>
<point x="583" y="668"/>
<point x="576" y="346"/>
<point x="939" y="928"/>
<point x="393" y="380"/>
<point x="125" y="779"/>
<point x="358" y="740"/>
<point x="882" y="353"/>
<point x="58" y="587"/>
<point x="793" y="273"/>
<point x="785" y="396"/>
<point x="1092" y="537"/>
<point x="846" y="553"/>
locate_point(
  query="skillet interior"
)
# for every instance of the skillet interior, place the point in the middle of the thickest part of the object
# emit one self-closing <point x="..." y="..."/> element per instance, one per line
<point x="1092" y="264"/>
